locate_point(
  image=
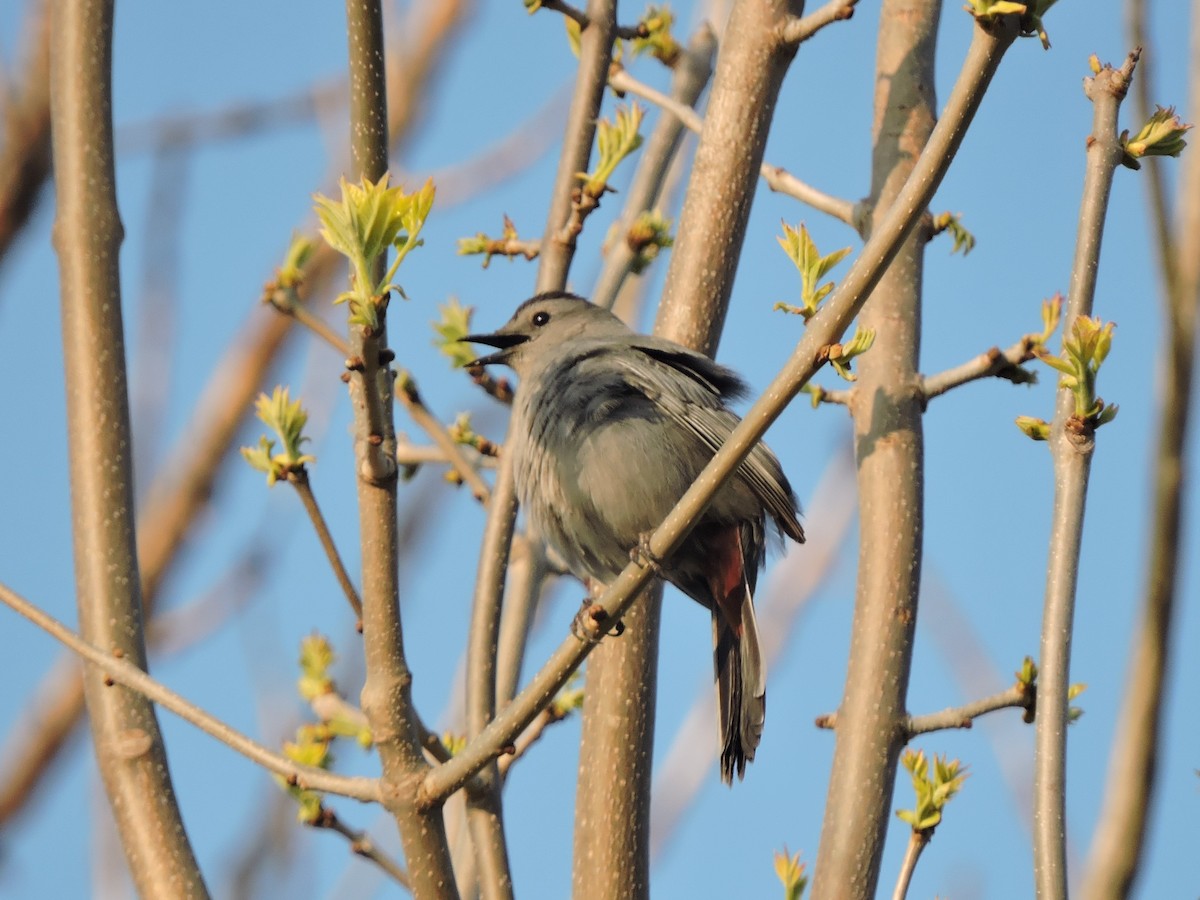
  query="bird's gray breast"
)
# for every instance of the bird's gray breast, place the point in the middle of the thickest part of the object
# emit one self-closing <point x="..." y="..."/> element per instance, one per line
<point x="600" y="459"/>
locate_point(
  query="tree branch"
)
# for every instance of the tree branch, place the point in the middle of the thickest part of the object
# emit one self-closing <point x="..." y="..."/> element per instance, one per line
<point x="128" y="745"/>
<point x="1019" y="696"/>
<point x="798" y="29"/>
<point x="1072" y="449"/>
<point x="119" y="670"/>
<point x="777" y="178"/>
<point x="362" y="845"/>
<point x="995" y="363"/>
<point x="299" y="480"/>
<point x="1119" y="841"/>
<point x="387" y="690"/>
<point x="691" y="76"/>
<point x="890" y="450"/>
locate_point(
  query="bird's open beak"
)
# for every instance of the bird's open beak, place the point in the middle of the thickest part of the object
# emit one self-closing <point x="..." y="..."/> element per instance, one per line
<point x="505" y="342"/>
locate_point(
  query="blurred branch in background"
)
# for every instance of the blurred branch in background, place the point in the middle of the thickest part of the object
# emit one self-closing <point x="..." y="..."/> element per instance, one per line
<point x="1119" y="841"/>
<point x="192" y="473"/>
<point x="25" y="138"/>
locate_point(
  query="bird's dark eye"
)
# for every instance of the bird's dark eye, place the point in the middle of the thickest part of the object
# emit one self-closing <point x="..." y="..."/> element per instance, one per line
<point x="541" y="318"/>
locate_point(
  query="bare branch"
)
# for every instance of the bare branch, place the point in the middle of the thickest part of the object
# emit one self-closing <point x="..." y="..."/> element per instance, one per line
<point x="126" y="739"/>
<point x="1119" y="841"/>
<point x="118" y="670"/>
<point x="688" y="83"/>
<point x="995" y="363"/>
<point x="1018" y="696"/>
<point x="362" y="845"/>
<point x="918" y="840"/>
<point x="25" y="116"/>
<point x="1072" y="449"/>
<point x="299" y="480"/>
<point x="777" y="178"/>
<point x="799" y="29"/>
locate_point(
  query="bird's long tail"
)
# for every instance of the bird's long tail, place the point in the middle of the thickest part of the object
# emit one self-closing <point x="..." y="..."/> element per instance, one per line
<point x="741" y="685"/>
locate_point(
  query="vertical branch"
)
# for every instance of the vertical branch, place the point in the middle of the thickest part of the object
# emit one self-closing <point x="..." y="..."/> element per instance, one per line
<point x="484" y="811"/>
<point x="612" y="829"/>
<point x="1120" y="837"/>
<point x="25" y="114"/>
<point x="87" y="236"/>
<point x="889" y="447"/>
<point x="1071" y="444"/>
<point x="595" y="56"/>
<point x="387" y="690"/>
<point x="690" y="78"/>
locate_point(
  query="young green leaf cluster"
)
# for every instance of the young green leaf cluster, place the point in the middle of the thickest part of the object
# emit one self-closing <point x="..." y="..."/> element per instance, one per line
<point x="1162" y="135"/>
<point x="655" y="38"/>
<point x="286" y="417"/>
<point x="450" y="329"/>
<point x="813" y="267"/>
<point x="370" y="218"/>
<point x="615" y="140"/>
<point x="1084" y="351"/>
<point x="933" y="790"/>
<point x="791" y="873"/>
<point x="649" y="234"/>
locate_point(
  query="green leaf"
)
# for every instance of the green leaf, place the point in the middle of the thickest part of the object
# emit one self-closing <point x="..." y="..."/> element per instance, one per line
<point x="791" y="874"/>
<point x="1161" y="135"/>
<point x="802" y="251"/>
<point x="454" y="324"/>
<point x="656" y="22"/>
<point x="615" y="140"/>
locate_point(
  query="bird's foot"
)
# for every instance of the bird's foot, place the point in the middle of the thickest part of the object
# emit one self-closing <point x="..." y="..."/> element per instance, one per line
<point x="593" y="622"/>
<point x="645" y="557"/>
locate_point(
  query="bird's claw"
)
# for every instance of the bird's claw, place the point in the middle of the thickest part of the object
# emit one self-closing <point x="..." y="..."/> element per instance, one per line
<point x="645" y="557"/>
<point x="592" y="623"/>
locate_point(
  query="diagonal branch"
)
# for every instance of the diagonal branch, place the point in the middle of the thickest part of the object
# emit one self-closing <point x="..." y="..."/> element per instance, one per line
<point x="983" y="58"/>
<point x="122" y="672"/>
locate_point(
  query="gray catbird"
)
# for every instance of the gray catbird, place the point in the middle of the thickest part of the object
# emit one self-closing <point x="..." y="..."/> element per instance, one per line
<point x="610" y="429"/>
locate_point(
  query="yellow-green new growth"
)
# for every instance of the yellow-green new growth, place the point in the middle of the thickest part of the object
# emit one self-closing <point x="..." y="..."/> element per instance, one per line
<point x="656" y="38"/>
<point x="791" y="874"/>
<point x="370" y="218"/>
<point x="1162" y="135"/>
<point x="311" y="748"/>
<point x="316" y="658"/>
<point x="813" y="267"/>
<point x="450" y="329"/>
<point x="649" y="234"/>
<point x="1084" y="351"/>
<point x="933" y="791"/>
<point x="615" y="140"/>
<point x="286" y="417"/>
<point x="986" y="11"/>
<point x="951" y="223"/>
<point x="840" y="355"/>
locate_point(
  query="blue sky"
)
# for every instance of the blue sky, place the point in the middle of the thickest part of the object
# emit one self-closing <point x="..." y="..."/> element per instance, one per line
<point x="1017" y="184"/>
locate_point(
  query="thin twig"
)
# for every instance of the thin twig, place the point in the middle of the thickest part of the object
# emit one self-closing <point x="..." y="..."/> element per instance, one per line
<point x="580" y="18"/>
<point x="407" y="394"/>
<point x="824" y="329"/>
<point x="125" y="673"/>
<point x="692" y="73"/>
<point x="530" y="736"/>
<point x="799" y="29"/>
<point x="299" y="480"/>
<point x="1119" y="842"/>
<point x="918" y="840"/>
<point x="362" y="845"/>
<point x="1072" y="449"/>
<point x="1019" y="696"/>
<point x="995" y="363"/>
<point x="777" y="178"/>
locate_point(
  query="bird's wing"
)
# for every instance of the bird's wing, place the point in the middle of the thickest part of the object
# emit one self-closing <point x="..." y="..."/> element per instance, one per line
<point x="696" y="404"/>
